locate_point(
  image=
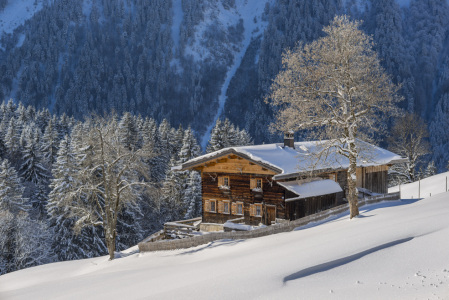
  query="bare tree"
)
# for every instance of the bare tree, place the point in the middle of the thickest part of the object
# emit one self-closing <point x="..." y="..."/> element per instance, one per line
<point x="110" y="178"/>
<point x="409" y="139"/>
<point x="334" y="88"/>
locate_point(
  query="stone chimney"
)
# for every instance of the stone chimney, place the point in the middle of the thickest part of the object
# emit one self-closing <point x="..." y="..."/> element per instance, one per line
<point x="289" y="139"/>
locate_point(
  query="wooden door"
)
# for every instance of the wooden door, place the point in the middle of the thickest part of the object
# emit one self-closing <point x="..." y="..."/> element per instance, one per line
<point x="271" y="214"/>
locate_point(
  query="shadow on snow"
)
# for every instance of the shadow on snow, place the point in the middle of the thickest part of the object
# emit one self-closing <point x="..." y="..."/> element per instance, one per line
<point x="342" y="261"/>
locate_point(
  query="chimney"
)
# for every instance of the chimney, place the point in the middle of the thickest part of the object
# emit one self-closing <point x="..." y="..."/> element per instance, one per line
<point x="289" y="139"/>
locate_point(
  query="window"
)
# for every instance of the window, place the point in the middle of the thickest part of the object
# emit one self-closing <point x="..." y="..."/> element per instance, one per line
<point x="240" y="208"/>
<point x="237" y="208"/>
<point x="255" y="210"/>
<point x="226" y="207"/>
<point x="258" y="212"/>
<point x="256" y="183"/>
<point x="332" y="176"/>
<point x="223" y="181"/>
<point x="210" y="205"/>
<point x="223" y="207"/>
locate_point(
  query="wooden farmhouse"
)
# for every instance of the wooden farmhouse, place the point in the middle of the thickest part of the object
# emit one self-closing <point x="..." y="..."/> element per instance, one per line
<point x="263" y="183"/>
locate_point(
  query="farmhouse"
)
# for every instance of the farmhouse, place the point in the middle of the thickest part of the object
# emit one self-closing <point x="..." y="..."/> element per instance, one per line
<point x="266" y="183"/>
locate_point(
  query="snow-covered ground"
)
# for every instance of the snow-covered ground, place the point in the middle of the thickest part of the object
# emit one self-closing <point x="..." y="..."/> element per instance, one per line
<point x="427" y="187"/>
<point x="394" y="250"/>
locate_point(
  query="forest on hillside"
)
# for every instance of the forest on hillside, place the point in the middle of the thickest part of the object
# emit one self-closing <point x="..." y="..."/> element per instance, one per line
<point x="44" y="158"/>
<point x="83" y="56"/>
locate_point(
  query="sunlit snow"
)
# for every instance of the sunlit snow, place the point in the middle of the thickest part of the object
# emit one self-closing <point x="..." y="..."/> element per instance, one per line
<point x="394" y="250"/>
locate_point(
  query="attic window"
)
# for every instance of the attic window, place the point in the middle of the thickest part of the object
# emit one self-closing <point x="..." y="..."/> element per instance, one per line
<point x="223" y="181"/>
<point x="256" y="183"/>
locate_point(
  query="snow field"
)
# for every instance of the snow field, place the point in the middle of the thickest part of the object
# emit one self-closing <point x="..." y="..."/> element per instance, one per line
<point x="394" y="250"/>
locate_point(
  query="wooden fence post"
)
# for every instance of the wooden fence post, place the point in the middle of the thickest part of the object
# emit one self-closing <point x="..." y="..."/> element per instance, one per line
<point x="419" y="188"/>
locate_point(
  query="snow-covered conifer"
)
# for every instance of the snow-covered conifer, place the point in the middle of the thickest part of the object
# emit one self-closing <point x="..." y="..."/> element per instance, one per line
<point x="11" y="190"/>
<point x="32" y="168"/>
<point x="190" y="147"/>
<point x="192" y="196"/>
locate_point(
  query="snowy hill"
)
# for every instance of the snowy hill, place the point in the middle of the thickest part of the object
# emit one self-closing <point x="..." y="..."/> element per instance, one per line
<point x="394" y="250"/>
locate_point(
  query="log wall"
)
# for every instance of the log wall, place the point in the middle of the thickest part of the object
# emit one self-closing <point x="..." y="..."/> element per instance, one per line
<point x="240" y="191"/>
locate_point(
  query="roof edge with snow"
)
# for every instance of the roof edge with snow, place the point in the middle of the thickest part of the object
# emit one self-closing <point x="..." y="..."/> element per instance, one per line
<point x="314" y="188"/>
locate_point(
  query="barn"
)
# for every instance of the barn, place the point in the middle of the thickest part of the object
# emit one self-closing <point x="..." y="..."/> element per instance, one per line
<point x="283" y="181"/>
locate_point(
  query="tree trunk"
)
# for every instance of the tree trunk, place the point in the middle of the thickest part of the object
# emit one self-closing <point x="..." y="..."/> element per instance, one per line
<point x="352" y="187"/>
<point x="110" y="243"/>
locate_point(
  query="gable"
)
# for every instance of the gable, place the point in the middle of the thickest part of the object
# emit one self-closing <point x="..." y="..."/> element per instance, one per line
<point x="233" y="163"/>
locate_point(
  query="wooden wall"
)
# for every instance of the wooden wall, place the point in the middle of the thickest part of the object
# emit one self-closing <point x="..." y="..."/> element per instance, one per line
<point x="373" y="178"/>
<point x="308" y="206"/>
<point x="240" y="191"/>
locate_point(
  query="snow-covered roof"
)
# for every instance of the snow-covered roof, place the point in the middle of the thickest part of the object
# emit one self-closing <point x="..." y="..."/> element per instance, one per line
<point x="286" y="161"/>
<point x="310" y="188"/>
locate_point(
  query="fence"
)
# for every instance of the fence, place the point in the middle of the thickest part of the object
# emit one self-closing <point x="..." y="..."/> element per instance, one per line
<point x="276" y="228"/>
<point x="423" y="188"/>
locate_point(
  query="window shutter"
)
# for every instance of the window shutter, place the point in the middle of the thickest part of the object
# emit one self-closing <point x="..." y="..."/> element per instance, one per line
<point x="234" y="208"/>
<point x="206" y="205"/>
<point x="252" y="183"/>
<point x="220" y="207"/>
<point x="252" y="210"/>
<point x="220" y="181"/>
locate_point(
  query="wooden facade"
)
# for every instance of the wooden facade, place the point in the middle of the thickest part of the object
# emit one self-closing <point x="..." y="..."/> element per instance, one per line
<point x="234" y="187"/>
<point x="373" y="178"/>
<point x="239" y="192"/>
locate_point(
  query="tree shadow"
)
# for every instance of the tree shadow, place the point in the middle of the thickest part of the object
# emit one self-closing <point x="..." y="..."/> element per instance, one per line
<point x="371" y="207"/>
<point x="342" y="261"/>
<point x="363" y="210"/>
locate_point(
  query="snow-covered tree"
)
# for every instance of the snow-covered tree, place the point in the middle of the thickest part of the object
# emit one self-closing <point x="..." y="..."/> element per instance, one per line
<point x="190" y="147"/>
<point x="50" y="142"/>
<point x="192" y="196"/>
<point x="33" y="242"/>
<point x="11" y="190"/>
<point x="173" y="190"/>
<point x="336" y="89"/>
<point x="110" y="183"/>
<point x="409" y="139"/>
<point x="225" y="134"/>
<point x="128" y="132"/>
<point x="32" y="168"/>
<point x="7" y="242"/>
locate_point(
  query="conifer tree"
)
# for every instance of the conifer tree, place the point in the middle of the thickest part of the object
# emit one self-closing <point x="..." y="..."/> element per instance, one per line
<point x="32" y="168"/>
<point x="190" y="148"/>
<point x="11" y="190"/>
<point x="50" y="142"/>
<point x="192" y="196"/>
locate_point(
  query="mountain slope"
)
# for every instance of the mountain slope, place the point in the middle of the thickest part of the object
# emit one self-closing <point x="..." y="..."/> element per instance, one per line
<point x="192" y="61"/>
<point x="395" y="250"/>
